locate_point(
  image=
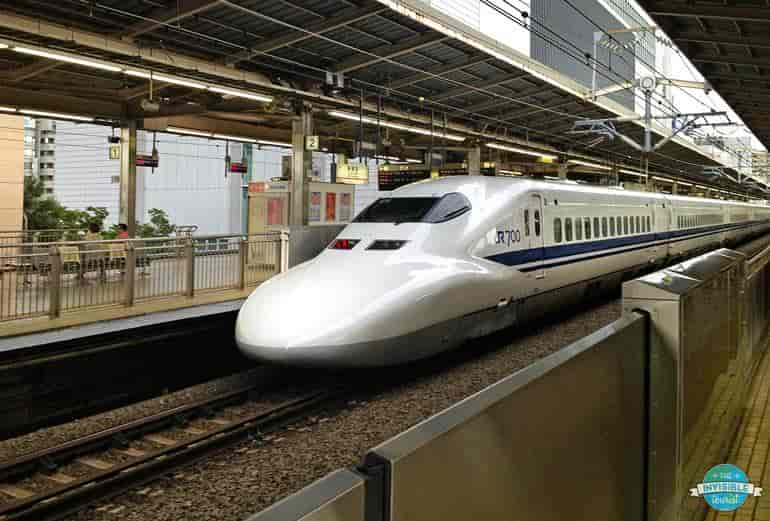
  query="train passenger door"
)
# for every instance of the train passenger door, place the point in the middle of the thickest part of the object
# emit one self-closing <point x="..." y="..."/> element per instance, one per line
<point x="534" y="231"/>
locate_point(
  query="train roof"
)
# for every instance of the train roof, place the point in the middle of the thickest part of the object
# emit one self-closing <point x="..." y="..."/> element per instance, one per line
<point x="469" y="186"/>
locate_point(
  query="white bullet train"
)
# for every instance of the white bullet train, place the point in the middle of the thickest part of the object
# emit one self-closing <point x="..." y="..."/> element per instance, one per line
<point x="441" y="261"/>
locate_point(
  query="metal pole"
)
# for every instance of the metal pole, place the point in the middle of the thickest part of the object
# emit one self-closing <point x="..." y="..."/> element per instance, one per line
<point x="244" y="260"/>
<point x="190" y="261"/>
<point x="130" y="280"/>
<point x="284" y="251"/>
<point x="128" y="176"/>
<point x="54" y="297"/>
<point x="301" y="163"/>
<point x="647" y="120"/>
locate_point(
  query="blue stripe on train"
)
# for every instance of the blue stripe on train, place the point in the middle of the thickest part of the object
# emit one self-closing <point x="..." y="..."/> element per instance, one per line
<point x="516" y="258"/>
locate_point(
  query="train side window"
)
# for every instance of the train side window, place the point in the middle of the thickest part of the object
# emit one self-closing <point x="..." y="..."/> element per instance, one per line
<point x="612" y="226"/>
<point x="633" y="228"/>
<point x="619" y="226"/>
<point x="638" y="227"/>
<point x="537" y="223"/>
<point x="557" y="230"/>
<point x="587" y="225"/>
<point x="579" y="229"/>
<point x="649" y="223"/>
<point x="526" y="223"/>
<point x="679" y="221"/>
<point x="568" y="229"/>
<point x="604" y="227"/>
<point x="597" y="233"/>
<point x="625" y="225"/>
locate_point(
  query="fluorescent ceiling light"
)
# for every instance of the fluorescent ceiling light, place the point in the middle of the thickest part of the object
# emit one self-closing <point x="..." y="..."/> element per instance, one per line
<point x="683" y="183"/>
<point x="241" y="94"/>
<point x="178" y="81"/>
<point x="590" y="165"/>
<point x="665" y="179"/>
<point x="394" y="158"/>
<point x="211" y="135"/>
<point x="631" y="172"/>
<point x="520" y="150"/>
<point x="138" y="74"/>
<point x="509" y="172"/>
<point x="67" y="58"/>
<point x="397" y="126"/>
<point x="55" y="115"/>
<point x="7" y="109"/>
<point x="189" y="132"/>
<point x="4" y="45"/>
<point x="234" y="138"/>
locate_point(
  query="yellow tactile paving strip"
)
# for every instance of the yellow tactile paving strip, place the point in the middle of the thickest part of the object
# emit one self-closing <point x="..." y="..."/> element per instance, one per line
<point x="751" y="451"/>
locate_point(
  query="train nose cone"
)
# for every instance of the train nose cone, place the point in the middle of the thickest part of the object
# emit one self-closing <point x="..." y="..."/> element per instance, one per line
<point x="311" y="314"/>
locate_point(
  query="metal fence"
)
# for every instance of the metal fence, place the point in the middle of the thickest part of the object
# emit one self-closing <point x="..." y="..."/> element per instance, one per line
<point x="59" y="277"/>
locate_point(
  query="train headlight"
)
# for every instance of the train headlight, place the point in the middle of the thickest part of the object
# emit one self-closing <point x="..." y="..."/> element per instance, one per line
<point x="344" y="244"/>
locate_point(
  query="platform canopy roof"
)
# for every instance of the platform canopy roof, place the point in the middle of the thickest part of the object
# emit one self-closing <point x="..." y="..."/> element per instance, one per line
<point x="729" y="43"/>
<point x="397" y="67"/>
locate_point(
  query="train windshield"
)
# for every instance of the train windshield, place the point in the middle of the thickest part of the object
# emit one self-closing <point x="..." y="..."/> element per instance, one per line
<point x="415" y="209"/>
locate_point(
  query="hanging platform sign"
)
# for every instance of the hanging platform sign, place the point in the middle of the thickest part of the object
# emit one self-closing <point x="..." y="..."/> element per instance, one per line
<point x="114" y="151"/>
<point x="352" y="174"/>
<point x="148" y="161"/>
<point x="238" y="168"/>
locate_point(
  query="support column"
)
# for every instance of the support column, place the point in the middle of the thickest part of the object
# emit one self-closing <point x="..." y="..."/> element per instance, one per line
<point x="474" y="160"/>
<point x="128" y="176"/>
<point x="615" y="175"/>
<point x="674" y="189"/>
<point x="563" y="168"/>
<point x="301" y="166"/>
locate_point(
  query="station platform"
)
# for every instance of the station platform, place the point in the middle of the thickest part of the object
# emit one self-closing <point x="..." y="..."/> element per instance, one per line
<point x="751" y="449"/>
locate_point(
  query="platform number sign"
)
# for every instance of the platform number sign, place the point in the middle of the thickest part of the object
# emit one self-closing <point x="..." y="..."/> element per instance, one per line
<point x="114" y="151"/>
<point x="311" y="142"/>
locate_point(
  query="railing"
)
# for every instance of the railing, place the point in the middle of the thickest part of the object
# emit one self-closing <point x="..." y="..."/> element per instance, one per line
<point x="60" y="277"/>
<point x="8" y="238"/>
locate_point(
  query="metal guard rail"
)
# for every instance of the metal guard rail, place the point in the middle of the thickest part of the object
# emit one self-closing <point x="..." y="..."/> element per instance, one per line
<point x="51" y="278"/>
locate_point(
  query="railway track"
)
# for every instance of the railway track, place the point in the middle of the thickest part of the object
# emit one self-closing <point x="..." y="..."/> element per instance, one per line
<point x="57" y="481"/>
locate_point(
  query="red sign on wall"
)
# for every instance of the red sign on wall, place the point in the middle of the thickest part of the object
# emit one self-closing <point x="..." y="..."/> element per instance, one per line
<point x="331" y="206"/>
<point x="274" y="211"/>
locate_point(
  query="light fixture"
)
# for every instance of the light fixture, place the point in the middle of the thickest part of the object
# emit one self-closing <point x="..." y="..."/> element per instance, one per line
<point x="273" y="143"/>
<point x="54" y="115"/>
<point x="631" y="172"/>
<point x="517" y="150"/>
<point x="509" y="172"/>
<point x="228" y="137"/>
<point x="178" y="81"/>
<point x="241" y="94"/>
<point x="234" y="138"/>
<point x="188" y="131"/>
<point x="683" y="183"/>
<point x="138" y="74"/>
<point x="590" y="165"/>
<point x="398" y="159"/>
<point x="7" y="109"/>
<point x="664" y="179"/>
<point x="397" y="126"/>
<point x="66" y="58"/>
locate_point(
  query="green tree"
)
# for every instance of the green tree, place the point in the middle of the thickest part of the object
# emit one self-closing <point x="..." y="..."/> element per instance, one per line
<point x="43" y="212"/>
<point x="158" y="226"/>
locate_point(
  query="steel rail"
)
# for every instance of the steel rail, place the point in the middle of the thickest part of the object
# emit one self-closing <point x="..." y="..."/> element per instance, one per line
<point x="64" y="498"/>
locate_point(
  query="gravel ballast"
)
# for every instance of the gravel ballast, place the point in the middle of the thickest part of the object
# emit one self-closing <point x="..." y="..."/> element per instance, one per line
<point x="251" y="476"/>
